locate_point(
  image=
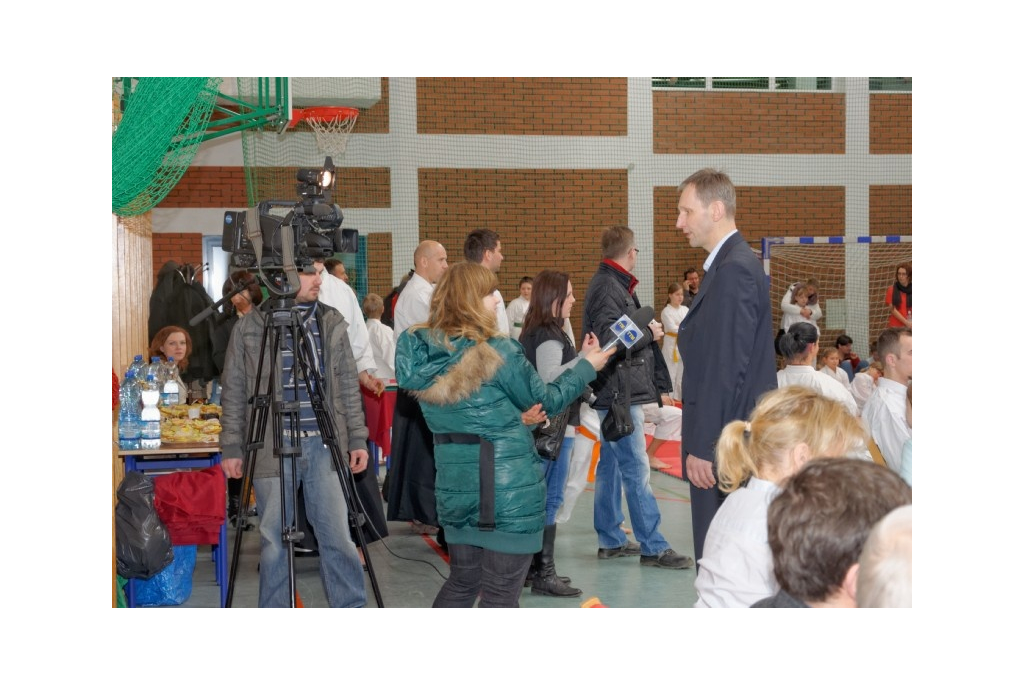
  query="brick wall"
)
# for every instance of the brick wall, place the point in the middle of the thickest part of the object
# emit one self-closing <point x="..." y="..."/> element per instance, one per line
<point x="553" y="218"/>
<point x="378" y="263"/>
<point x="891" y="211"/>
<point x="522" y="106"/>
<point x="209" y="186"/>
<point x="183" y="248"/>
<point x="701" y="122"/>
<point x="892" y="124"/>
<point x="761" y="212"/>
<point x="549" y="219"/>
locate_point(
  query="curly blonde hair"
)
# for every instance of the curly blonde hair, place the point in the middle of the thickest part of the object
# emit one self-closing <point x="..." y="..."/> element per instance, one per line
<point x="457" y="305"/>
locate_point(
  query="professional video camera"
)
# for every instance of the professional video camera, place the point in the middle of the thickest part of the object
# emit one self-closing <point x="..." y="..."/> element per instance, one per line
<point x="291" y="232"/>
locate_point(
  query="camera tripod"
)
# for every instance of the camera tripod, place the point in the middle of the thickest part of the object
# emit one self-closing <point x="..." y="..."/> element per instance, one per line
<point x="284" y="320"/>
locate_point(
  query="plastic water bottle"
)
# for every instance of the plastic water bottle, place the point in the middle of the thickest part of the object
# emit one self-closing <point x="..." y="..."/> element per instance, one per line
<point x="172" y="389"/>
<point x="129" y="420"/>
<point x="138" y="365"/>
<point x="150" y="413"/>
<point x="156" y="369"/>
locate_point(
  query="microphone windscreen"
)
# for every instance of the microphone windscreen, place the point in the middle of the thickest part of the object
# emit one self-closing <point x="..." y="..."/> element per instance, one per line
<point x="643" y="316"/>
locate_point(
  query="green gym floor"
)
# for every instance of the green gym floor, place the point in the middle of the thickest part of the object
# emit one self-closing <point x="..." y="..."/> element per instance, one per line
<point x="410" y="570"/>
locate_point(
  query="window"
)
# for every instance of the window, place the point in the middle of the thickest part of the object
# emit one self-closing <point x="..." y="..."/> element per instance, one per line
<point x="890" y="83"/>
<point x="744" y="82"/>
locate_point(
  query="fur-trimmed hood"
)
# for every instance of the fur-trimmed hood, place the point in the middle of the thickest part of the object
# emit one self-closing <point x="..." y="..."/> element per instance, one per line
<point x="445" y="376"/>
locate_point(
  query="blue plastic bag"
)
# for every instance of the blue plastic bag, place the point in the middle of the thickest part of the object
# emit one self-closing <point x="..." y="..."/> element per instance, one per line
<point x="173" y="585"/>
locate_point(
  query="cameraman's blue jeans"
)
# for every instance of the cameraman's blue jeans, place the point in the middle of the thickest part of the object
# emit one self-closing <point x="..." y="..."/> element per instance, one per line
<point x="624" y="466"/>
<point x="556" y="473"/>
<point x="340" y="568"/>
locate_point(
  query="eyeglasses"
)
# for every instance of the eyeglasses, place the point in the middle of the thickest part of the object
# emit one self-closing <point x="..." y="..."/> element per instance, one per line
<point x="636" y="250"/>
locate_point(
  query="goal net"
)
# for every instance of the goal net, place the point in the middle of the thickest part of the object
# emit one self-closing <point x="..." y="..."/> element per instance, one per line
<point x="852" y="275"/>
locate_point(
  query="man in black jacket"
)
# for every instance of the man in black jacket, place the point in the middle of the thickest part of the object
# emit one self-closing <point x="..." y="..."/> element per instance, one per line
<point x="633" y="377"/>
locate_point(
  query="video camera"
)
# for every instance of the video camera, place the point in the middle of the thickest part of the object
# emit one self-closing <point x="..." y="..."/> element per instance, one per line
<point x="297" y="232"/>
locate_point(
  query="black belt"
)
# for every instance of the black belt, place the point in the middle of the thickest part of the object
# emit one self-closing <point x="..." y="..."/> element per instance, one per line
<point x="487" y="494"/>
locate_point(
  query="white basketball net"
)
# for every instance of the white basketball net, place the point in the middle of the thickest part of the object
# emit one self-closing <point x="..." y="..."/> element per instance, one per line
<point x="332" y="134"/>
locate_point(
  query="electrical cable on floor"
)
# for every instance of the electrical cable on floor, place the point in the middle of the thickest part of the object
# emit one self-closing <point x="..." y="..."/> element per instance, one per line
<point x="380" y="539"/>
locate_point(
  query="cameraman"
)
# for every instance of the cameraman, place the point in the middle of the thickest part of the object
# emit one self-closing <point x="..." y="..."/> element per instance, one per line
<point x="325" y="328"/>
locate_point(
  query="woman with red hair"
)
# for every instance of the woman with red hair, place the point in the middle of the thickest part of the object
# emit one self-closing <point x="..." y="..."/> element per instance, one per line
<point x="172" y="341"/>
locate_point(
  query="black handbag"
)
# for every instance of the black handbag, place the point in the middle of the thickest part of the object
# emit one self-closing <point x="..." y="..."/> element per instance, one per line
<point x="548" y="438"/>
<point x="618" y="423"/>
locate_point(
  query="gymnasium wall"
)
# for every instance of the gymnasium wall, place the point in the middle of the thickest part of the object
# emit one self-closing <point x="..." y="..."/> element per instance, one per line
<point x="550" y="162"/>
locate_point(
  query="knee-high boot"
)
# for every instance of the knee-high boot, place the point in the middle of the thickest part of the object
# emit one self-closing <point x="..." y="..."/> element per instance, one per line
<point x="545" y="582"/>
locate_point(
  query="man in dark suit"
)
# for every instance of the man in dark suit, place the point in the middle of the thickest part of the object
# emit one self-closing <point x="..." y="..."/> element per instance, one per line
<point x="725" y="339"/>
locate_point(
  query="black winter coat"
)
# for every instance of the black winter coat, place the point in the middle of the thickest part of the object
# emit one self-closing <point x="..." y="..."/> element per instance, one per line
<point x="607" y="299"/>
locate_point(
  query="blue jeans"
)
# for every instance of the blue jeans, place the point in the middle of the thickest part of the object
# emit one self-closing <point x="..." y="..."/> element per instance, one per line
<point x="340" y="569"/>
<point x="496" y="577"/>
<point x="846" y="366"/>
<point x="624" y="463"/>
<point x="556" y="473"/>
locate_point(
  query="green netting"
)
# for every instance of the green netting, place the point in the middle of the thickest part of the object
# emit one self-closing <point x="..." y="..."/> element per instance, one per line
<point x="162" y="127"/>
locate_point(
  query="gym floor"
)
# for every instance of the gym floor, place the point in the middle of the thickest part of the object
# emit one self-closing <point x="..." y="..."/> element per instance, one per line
<point x="410" y="569"/>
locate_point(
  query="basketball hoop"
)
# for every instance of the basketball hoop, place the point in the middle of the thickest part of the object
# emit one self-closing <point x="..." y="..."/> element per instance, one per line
<point x="331" y="125"/>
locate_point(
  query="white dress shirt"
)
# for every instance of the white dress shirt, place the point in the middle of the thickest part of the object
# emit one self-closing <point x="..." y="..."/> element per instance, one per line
<point x="502" y="316"/>
<point x="413" y="304"/>
<point x="338" y="294"/>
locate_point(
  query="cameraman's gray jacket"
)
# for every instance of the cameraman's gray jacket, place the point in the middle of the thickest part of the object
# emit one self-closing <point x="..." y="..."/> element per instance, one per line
<point x="238" y="381"/>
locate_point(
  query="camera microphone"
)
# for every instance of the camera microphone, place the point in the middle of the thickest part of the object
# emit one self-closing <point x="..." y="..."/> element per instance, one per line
<point x="629" y="330"/>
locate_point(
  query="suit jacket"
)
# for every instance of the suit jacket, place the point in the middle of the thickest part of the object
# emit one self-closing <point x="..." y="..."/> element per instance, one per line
<point x="727" y="347"/>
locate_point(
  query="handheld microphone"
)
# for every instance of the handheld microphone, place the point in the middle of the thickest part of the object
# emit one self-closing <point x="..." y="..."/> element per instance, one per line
<point x="628" y="331"/>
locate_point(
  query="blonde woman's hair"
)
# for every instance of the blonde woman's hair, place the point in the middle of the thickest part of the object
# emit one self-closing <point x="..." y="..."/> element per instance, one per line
<point x="457" y="305"/>
<point x="781" y="420"/>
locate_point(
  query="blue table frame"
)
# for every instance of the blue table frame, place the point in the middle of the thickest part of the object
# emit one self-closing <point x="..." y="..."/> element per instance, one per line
<point x="181" y="457"/>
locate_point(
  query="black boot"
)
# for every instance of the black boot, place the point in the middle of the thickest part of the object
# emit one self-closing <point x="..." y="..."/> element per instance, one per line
<point x="545" y="582"/>
<point x="534" y="565"/>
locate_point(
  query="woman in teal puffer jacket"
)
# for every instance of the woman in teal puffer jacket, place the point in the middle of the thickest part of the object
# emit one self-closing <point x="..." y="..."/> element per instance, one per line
<point x="474" y="384"/>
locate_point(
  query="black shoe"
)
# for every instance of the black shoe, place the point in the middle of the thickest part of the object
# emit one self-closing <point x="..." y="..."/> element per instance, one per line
<point x="667" y="559"/>
<point x="530" y="576"/>
<point x="553" y="586"/>
<point x="306" y="552"/>
<point x="630" y="549"/>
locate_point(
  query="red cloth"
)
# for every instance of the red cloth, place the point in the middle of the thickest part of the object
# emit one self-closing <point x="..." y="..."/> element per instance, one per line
<point x="380" y="411"/>
<point x="117" y="389"/>
<point x="192" y="505"/>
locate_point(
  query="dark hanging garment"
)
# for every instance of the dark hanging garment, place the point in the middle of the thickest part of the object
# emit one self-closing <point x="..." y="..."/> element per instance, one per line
<point x="178" y="297"/>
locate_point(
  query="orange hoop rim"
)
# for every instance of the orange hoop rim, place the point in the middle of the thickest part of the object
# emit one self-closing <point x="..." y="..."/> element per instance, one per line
<point x="323" y="114"/>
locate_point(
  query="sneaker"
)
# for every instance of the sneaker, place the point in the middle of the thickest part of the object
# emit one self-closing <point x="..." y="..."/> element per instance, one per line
<point x="667" y="559"/>
<point x="630" y="549"/>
